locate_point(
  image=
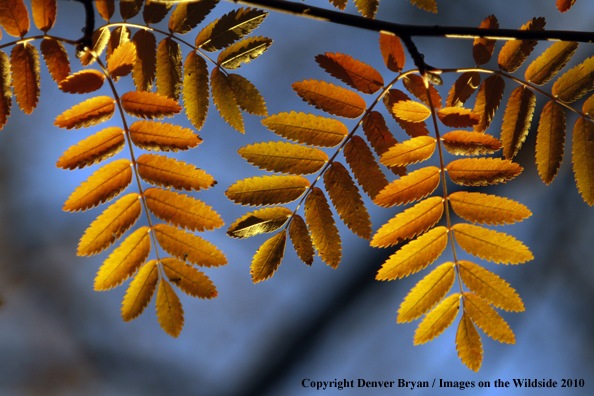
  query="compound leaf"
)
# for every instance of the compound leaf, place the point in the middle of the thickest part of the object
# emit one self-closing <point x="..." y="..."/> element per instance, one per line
<point x="93" y="149"/>
<point x="140" y="291"/>
<point x="330" y="98"/>
<point x="267" y="190"/>
<point x="307" y="128"/>
<point x="171" y="173"/>
<point x="487" y="209"/>
<point x="260" y="221"/>
<point x="324" y="233"/>
<point x="268" y="257"/>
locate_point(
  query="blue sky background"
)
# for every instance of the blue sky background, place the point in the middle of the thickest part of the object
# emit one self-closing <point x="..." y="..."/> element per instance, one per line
<point x="59" y="337"/>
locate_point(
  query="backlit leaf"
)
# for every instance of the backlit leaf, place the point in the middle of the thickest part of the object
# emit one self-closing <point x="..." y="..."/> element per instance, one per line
<point x="364" y="166"/>
<point x="140" y="291"/>
<point x="105" y="8"/>
<point x="101" y="186"/>
<point x="517" y="119"/>
<point x="171" y="173"/>
<point x="470" y="143"/>
<point x="169" y="68"/>
<point x="550" y="141"/>
<point x="181" y="210"/>
<point x="487" y="101"/>
<point x="149" y="105"/>
<point x="90" y="112"/>
<point x="482" y="171"/>
<point x="392" y="52"/>
<point x="196" y="89"/>
<point x="56" y="58"/>
<point x="169" y="309"/>
<point x="367" y="7"/>
<point x="468" y="344"/>
<point x="411" y="111"/>
<point x="155" y="11"/>
<point x="324" y="233"/>
<point x="247" y="96"/>
<point x="122" y="60"/>
<point x="515" y="52"/>
<point x="546" y="66"/>
<point x="119" y="36"/>
<point x="14" y="17"/>
<point x="187" y="15"/>
<point x="413" y="129"/>
<point x="487" y="209"/>
<point x="123" y="262"/>
<point x="260" y="221"/>
<point x="340" y="4"/>
<point x="588" y="105"/>
<point x="307" y="128"/>
<point x="482" y="48"/>
<point x="330" y="98"/>
<point x="99" y="40"/>
<point x="284" y="157"/>
<point x="564" y="5"/>
<point x="409" y="152"/>
<point x="268" y="257"/>
<point x="229" y="28"/>
<point x="415" y="255"/>
<point x="346" y="199"/>
<point x="44" y="14"/>
<point x="464" y="86"/>
<point x="414" y="186"/>
<point x="582" y="157"/>
<point x="158" y="136"/>
<point x="458" y="117"/>
<point x="352" y="72"/>
<point x="144" y="68"/>
<point x="224" y="99"/>
<point x="188" y="279"/>
<point x="489" y="286"/>
<point x="301" y="240"/>
<point x="416" y="86"/>
<point x="427" y="293"/>
<point x="243" y="51"/>
<point x="186" y="246"/>
<point x="24" y="65"/>
<point x="413" y="221"/>
<point x="84" y="81"/>
<point x="129" y="9"/>
<point x="93" y="149"/>
<point x="380" y="137"/>
<point x="5" y="91"/>
<point x="439" y="319"/>
<point x="267" y="190"/>
<point x="427" y="5"/>
<point x="576" y="82"/>
<point x="110" y="225"/>
<point x="491" y="245"/>
<point x="487" y="319"/>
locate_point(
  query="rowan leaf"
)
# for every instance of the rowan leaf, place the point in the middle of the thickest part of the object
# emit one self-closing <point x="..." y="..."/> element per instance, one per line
<point x="550" y="141"/>
<point x="181" y="210"/>
<point x="470" y="143"/>
<point x="488" y="100"/>
<point x="99" y="41"/>
<point x="352" y="72"/>
<point x="468" y="344"/>
<point x="489" y="286"/>
<point x="364" y="166"/>
<point x="588" y="105"/>
<point x="243" y="51"/>
<point x="24" y="65"/>
<point x="582" y="157"/>
<point x="392" y="52"/>
<point x="123" y="262"/>
<point x="324" y="233"/>
<point x="195" y="89"/>
<point x="224" y="99"/>
<point x="340" y="4"/>
<point x="169" y="68"/>
<point x="106" y="8"/>
<point x="82" y="82"/>
<point x="44" y="14"/>
<point x="129" y="9"/>
<point x="482" y="48"/>
<point x="149" y="105"/>
<point x="413" y="129"/>
<point x="94" y="149"/>
<point x="487" y="209"/>
<point x="169" y="308"/>
<point x="247" y="96"/>
<point x="119" y="36"/>
<point x="367" y="7"/>
<point x="110" y="225"/>
<point x="427" y="293"/>
<point x="553" y="60"/>
<point x="458" y="117"/>
<point x="158" y="136"/>
<point x="187" y="15"/>
<point x="56" y="58"/>
<point x="284" y="157"/>
<point x="14" y="17"/>
<point x="415" y="255"/>
<point x="346" y="199"/>
<point x="413" y="221"/>
<point x="439" y="319"/>
<point x="101" y="186"/>
<point x="416" y="86"/>
<point x="144" y="69"/>
<point x="268" y="257"/>
<point x="380" y="137"/>
<point x="517" y="120"/>
<point x="491" y="245"/>
<point x="414" y="186"/>
<point x="5" y="91"/>
<point x="188" y="279"/>
<point x="487" y="319"/>
<point x="411" y="111"/>
<point x="463" y="88"/>
<point x="330" y="98"/>
<point x="122" y="60"/>
<point x="564" y="5"/>
<point x="171" y="173"/>
<point x="515" y="52"/>
<point x="409" y="152"/>
<point x="307" y="128"/>
<point x="88" y="113"/>
<point x="576" y="82"/>
<point x="229" y="28"/>
<point x="155" y="11"/>
<point x="267" y="190"/>
<point x="426" y="5"/>
<point x="301" y="240"/>
<point x="260" y="221"/>
<point x="186" y="246"/>
<point x="140" y="291"/>
<point x="482" y="171"/>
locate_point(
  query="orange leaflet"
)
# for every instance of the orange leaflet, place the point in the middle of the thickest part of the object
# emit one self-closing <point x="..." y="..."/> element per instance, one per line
<point x="416" y="86"/>
<point x="547" y="65"/>
<point x="411" y="111"/>
<point x="565" y="5"/>
<point x="439" y="319"/>
<point x="24" y="60"/>
<point x="268" y="257"/>
<point x="247" y="96"/>
<point x="488" y="100"/>
<point x="367" y="7"/>
<point x="515" y="52"/>
<point x="122" y="60"/>
<point x="427" y="5"/>
<point x="195" y="89"/>
<point x="582" y="157"/>
<point x="464" y="86"/>
<point x="14" y="17"/>
<point x="468" y="343"/>
<point x="84" y="81"/>
<point x="267" y="190"/>
<point x="307" y="128"/>
<point x="56" y="58"/>
<point x="94" y="149"/>
<point x="187" y="16"/>
<point x="413" y="129"/>
<point x="243" y="51"/>
<point x="229" y="28"/>
<point x="324" y="233"/>
<point x="90" y="112"/>
<point x="482" y="171"/>
<point x="188" y="279"/>
<point x="517" y="119"/>
<point x="171" y="173"/>
<point x="364" y="166"/>
<point x="284" y="157"/>
<point x="354" y="73"/>
<point x="154" y="12"/>
<point x="482" y="48"/>
<point x="409" y="152"/>
<point x="44" y="14"/>
<point x="105" y="8"/>
<point x="144" y="69"/>
<point x="224" y="98"/>
<point x="5" y="91"/>
<point x="301" y="240"/>
<point x="487" y="318"/>
<point x="458" y="117"/>
<point x="149" y="105"/>
<point x="169" y="309"/>
<point x="392" y="52"/>
<point x="169" y="68"/>
<point x="414" y="186"/>
<point x="550" y="141"/>
<point x="487" y="209"/>
<point x="157" y="136"/>
<point x="330" y="98"/>
<point x="470" y="143"/>
<point x="260" y="221"/>
<point x="140" y="291"/>
<point x="576" y="82"/>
